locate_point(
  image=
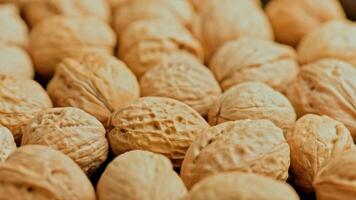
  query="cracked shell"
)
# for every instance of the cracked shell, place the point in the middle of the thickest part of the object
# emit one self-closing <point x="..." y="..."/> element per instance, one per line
<point x="15" y="62"/>
<point x="7" y="143"/>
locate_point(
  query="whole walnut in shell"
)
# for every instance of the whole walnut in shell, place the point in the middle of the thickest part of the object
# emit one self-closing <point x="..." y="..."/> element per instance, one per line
<point x="156" y="124"/>
<point x="7" y="143"/>
<point x="15" y="62"/>
<point x="184" y="78"/>
<point x="96" y="83"/>
<point x="256" y="146"/>
<point x="71" y="131"/>
<point x="38" y="172"/>
<point x="59" y="37"/>
<point x="252" y="59"/>
<point x="140" y="175"/>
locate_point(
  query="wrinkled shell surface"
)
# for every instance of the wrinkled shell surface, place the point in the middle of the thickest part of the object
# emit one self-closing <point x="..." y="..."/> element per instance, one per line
<point x="15" y="62"/>
<point x="140" y="175"/>
<point x="256" y="146"/>
<point x="7" y="143"/>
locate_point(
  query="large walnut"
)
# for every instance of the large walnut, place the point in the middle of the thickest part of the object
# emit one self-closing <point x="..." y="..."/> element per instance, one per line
<point x="7" y="143"/>
<point x="15" y="62"/>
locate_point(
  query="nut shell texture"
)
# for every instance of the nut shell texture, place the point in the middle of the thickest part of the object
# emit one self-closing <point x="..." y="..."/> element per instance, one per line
<point x="15" y="62"/>
<point x="7" y="143"/>
<point x="140" y="175"/>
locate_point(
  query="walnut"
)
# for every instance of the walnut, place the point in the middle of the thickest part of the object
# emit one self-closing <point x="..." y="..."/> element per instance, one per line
<point x="96" y="83"/>
<point x="256" y="146"/>
<point x="140" y="175"/>
<point x="156" y="124"/>
<point x="201" y="4"/>
<point x="252" y="59"/>
<point x="38" y="172"/>
<point x="15" y="62"/>
<point x="7" y="143"/>
<point x="71" y="131"/>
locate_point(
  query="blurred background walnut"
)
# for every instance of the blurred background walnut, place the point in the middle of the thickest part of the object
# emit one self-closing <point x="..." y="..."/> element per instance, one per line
<point x="15" y="62"/>
<point x="7" y="143"/>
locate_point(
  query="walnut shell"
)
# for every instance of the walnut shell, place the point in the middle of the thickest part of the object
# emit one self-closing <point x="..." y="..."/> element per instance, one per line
<point x="59" y="37"/>
<point x="313" y="141"/>
<point x="96" y="83"/>
<point x="256" y="146"/>
<point x="145" y="43"/>
<point x="184" y="78"/>
<point x="326" y="87"/>
<point x="201" y="4"/>
<point x="237" y="185"/>
<point x="7" y="143"/>
<point x="38" y="172"/>
<point x="71" y="131"/>
<point x="140" y="175"/>
<point x="15" y="62"/>
<point x="156" y="124"/>
<point x="252" y="59"/>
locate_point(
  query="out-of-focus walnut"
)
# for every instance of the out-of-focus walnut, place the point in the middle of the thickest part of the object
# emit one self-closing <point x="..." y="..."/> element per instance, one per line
<point x="146" y="43"/>
<point x="200" y="4"/>
<point x="20" y="100"/>
<point x="7" y="143"/>
<point x="313" y="141"/>
<point x="326" y="87"/>
<point x="184" y="78"/>
<point x="38" y="172"/>
<point x="71" y="131"/>
<point x="96" y="83"/>
<point x="291" y="20"/>
<point x="237" y="185"/>
<point x="15" y="62"/>
<point x="140" y="175"/>
<point x="252" y="59"/>
<point x="256" y="146"/>
<point x="59" y="37"/>
<point x="156" y="124"/>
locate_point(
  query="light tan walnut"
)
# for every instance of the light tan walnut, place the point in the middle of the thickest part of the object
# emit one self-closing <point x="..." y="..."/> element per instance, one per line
<point x="140" y="175"/>
<point x="184" y="78"/>
<point x="38" y="172"/>
<point x="156" y="124"/>
<point x="200" y="4"/>
<point x="71" y="131"/>
<point x="327" y="87"/>
<point x="7" y="143"/>
<point x="96" y="83"/>
<point x="15" y="62"/>
<point x="252" y="59"/>
<point x="59" y="37"/>
<point x="256" y="146"/>
<point x="145" y="43"/>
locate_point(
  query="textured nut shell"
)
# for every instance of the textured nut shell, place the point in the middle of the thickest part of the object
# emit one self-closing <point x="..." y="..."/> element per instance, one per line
<point x="236" y="185"/>
<point x="140" y="175"/>
<point x="59" y="37"/>
<point x="96" y="83"/>
<point x="183" y="78"/>
<point x="156" y="124"/>
<point x="327" y="87"/>
<point x="145" y="43"/>
<point x="300" y="17"/>
<point x="7" y="143"/>
<point x="313" y="141"/>
<point x="252" y="59"/>
<point x="15" y="62"/>
<point x="38" y="172"/>
<point x="256" y="146"/>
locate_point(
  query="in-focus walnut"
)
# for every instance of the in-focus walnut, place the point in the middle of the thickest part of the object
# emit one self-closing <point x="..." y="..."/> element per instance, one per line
<point x="184" y="78"/>
<point x="256" y="146"/>
<point x="96" y="83"/>
<point x="20" y="100"/>
<point x="71" y="131"/>
<point x="38" y="172"/>
<point x="156" y="124"/>
<point x="15" y="62"/>
<point x="140" y="175"/>
<point x="291" y="20"/>
<point x="252" y="59"/>
<point x="336" y="39"/>
<point x="7" y="143"/>
<point x="253" y="100"/>
<point x="313" y="141"/>
<point x="237" y="185"/>
<point x="327" y="87"/>
<point x="59" y="37"/>
<point x="145" y="43"/>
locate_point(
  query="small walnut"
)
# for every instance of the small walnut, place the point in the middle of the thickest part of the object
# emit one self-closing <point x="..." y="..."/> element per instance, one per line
<point x="38" y="172"/>
<point x="237" y="185"/>
<point x="327" y="87"/>
<point x="71" y="131"/>
<point x="256" y="146"/>
<point x="156" y="124"/>
<point x="252" y="59"/>
<point x="184" y="78"/>
<point x="313" y="141"/>
<point x="140" y="175"/>
<point x="15" y="62"/>
<point x="59" y="37"/>
<point x="7" y="143"/>
<point x="96" y="83"/>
